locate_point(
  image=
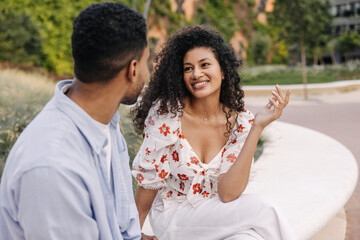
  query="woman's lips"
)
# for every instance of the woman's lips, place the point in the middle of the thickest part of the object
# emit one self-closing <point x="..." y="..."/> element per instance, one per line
<point x="199" y="85"/>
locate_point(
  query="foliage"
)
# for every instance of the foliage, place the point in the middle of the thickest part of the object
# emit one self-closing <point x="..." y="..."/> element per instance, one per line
<point x="20" y="40"/>
<point x="259" y="48"/>
<point x="282" y="74"/>
<point x="298" y="20"/>
<point x="219" y="14"/>
<point x="348" y="42"/>
<point x="54" y="19"/>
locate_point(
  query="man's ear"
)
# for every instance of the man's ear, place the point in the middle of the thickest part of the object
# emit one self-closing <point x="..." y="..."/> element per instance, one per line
<point x="132" y="71"/>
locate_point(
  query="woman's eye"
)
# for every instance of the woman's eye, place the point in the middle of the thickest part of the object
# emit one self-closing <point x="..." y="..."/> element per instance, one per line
<point x="187" y="69"/>
<point x="205" y="64"/>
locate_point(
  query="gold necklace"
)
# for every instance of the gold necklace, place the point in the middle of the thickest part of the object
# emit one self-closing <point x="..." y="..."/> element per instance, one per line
<point x="204" y="118"/>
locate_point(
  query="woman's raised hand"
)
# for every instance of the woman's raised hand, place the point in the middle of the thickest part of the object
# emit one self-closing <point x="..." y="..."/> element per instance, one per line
<point x="273" y="109"/>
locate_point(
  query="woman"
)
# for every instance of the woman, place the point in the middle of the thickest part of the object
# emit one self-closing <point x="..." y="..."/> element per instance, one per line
<point x="199" y="144"/>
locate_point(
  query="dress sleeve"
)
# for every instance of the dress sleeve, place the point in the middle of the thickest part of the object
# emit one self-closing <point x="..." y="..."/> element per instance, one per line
<point x="233" y="148"/>
<point x="151" y="166"/>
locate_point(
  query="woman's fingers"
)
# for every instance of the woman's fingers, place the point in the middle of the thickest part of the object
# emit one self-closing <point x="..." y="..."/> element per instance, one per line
<point x="287" y="97"/>
<point x="278" y="97"/>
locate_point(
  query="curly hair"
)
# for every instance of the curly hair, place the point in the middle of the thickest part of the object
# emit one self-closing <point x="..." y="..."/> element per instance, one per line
<point x="167" y="82"/>
<point x="106" y="37"/>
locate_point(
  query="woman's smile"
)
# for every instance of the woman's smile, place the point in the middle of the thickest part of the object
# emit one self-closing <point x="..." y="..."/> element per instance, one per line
<point x="199" y="85"/>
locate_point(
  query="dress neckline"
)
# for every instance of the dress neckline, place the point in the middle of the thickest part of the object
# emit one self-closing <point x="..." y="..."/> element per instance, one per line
<point x="192" y="149"/>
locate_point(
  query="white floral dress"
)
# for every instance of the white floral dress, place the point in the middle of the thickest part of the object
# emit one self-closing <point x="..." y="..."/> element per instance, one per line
<point x="167" y="162"/>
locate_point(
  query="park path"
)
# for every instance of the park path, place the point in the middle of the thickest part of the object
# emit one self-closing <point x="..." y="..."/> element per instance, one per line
<point x="336" y="115"/>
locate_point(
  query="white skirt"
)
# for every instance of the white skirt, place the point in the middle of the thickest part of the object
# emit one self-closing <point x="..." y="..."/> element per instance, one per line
<point x="251" y="216"/>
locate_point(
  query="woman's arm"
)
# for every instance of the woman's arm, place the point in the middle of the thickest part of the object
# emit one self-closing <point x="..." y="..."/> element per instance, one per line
<point x="232" y="183"/>
<point x="144" y="199"/>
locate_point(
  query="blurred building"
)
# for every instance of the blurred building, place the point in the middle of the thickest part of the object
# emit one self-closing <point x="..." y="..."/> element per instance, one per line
<point x="346" y="16"/>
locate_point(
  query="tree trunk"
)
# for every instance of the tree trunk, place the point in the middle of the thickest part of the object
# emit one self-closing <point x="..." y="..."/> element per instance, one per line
<point x="134" y="5"/>
<point x="315" y="58"/>
<point x="146" y="10"/>
<point x="303" y="66"/>
<point x="333" y="59"/>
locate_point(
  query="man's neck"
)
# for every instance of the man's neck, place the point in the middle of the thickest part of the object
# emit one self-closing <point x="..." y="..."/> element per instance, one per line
<point x="100" y="101"/>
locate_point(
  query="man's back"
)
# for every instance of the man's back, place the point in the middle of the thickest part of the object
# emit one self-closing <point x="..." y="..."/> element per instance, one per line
<point x="56" y="171"/>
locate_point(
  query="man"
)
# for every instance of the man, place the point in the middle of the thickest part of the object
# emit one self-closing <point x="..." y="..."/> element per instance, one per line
<point x="68" y="176"/>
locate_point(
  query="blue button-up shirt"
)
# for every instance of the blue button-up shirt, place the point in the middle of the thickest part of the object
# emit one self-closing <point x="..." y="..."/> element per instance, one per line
<point x="55" y="186"/>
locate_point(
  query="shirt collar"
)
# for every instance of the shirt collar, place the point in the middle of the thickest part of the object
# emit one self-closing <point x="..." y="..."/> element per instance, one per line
<point x="82" y="119"/>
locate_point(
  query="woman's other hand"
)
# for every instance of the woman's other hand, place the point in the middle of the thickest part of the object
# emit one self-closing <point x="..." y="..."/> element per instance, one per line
<point x="146" y="237"/>
<point x="273" y="109"/>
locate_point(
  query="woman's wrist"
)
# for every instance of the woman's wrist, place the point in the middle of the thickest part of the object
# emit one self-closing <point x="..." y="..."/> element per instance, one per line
<point x="256" y="128"/>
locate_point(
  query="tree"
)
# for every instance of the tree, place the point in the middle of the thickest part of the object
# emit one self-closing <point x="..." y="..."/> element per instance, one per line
<point x="259" y="48"/>
<point x="20" y="40"/>
<point x="347" y="43"/>
<point x="304" y="23"/>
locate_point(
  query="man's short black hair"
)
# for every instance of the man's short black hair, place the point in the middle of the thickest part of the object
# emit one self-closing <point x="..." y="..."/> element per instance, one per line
<point x="106" y="37"/>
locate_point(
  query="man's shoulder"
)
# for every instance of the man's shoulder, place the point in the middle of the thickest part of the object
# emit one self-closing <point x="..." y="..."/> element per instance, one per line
<point x="50" y="140"/>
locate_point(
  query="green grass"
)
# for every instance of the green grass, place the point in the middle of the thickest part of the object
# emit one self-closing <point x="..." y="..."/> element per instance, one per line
<point x="271" y="75"/>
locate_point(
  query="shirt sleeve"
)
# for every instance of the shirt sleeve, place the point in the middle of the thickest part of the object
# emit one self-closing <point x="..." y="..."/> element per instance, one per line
<point x="233" y="149"/>
<point x="151" y="165"/>
<point x="55" y="204"/>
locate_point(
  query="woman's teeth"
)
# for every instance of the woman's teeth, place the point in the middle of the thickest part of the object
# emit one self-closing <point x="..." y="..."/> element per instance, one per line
<point x="199" y="84"/>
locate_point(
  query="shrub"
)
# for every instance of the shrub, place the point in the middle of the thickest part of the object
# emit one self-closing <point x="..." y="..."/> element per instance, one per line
<point x="20" y="40"/>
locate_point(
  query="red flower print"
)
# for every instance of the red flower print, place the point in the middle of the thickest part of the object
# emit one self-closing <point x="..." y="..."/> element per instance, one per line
<point x="183" y="177"/>
<point x="151" y="121"/>
<point x="177" y="132"/>
<point x="153" y="161"/>
<point x="202" y="173"/>
<point x="163" y="174"/>
<point x="244" y="110"/>
<point x="240" y="128"/>
<point x="182" y="186"/>
<point x="194" y="160"/>
<point x="205" y="194"/>
<point x="144" y="126"/>
<point x="179" y="194"/>
<point x="147" y="135"/>
<point x="196" y="188"/>
<point x="164" y="158"/>
<point x="139" y="177"/>
<point x="231" y="158"/>
<point x="222" y="153"/>
<point x="147" y="151"/>
<point x="164" y="129"/>
<point x="169" y="194"/>
<point x="181" y="146"/>
<point x="195" y="172"/>
<point x="156" y="168"/>
<point x="188" y="164"/>
<point x="251" y="121"/>
<point x="175" y="156"/>
<point x="233" y="142"/>
<point x="181" y="136"/>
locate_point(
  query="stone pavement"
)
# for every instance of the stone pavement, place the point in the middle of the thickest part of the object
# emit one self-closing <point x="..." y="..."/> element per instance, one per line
<point x="336" y="114"/>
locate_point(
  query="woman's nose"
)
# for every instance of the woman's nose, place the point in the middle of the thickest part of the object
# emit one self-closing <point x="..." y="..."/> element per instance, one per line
<point x="197" y="73"/>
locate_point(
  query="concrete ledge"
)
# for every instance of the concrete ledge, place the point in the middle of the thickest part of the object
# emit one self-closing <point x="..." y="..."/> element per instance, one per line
<point x="309" y="174"/>
<point x="298" y="89"/>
